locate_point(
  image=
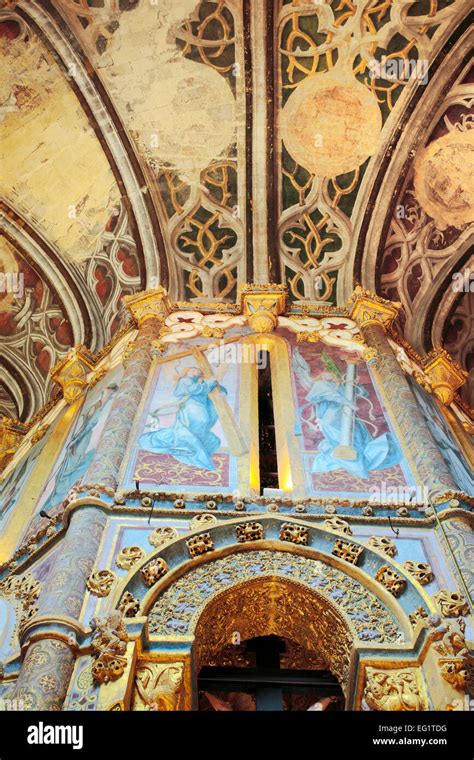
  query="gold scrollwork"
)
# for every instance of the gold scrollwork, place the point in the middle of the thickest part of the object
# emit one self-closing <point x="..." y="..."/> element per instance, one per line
<point x="129" y="556"/>
<point x="383" y="544"/>
<point x="100" y="582"/>
<point x="421" y="571"/>
<point x="162" y="535"/>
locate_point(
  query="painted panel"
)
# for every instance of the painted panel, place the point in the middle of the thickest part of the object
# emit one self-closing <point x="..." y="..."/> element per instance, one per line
<point x="11" y="490"/>
<point x="346" y="441"/>
<point x="188" y="435"/>
<point x="81" y="443"/>
<point x="441" y="432"/>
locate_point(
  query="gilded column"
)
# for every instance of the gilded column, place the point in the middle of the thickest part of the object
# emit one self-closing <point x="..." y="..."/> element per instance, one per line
<point x="49" y="638"/>
<point x="374" y="314"/>
<point x="149" y="309"/>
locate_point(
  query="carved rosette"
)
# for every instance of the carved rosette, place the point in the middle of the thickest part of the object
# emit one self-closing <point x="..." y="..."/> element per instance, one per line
<point x="129" y="556"/>
<point x="421" y="571"/>
<point x="338" y="525"/>
<point x="162" y="535"/>
<point x="100" y="582"/>
<point x="383" y="544"/>
<point x="203" y="521"/>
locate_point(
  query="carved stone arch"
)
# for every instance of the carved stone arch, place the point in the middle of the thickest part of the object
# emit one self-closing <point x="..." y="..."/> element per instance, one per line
<point x="307" y="548"/>
<point x="64" y="277"/>
<point x="278" y="606"/>
<point x="187" y="597"/>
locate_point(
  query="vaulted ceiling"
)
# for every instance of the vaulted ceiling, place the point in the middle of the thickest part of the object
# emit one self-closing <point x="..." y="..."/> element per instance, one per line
<point x="204" y="144"/>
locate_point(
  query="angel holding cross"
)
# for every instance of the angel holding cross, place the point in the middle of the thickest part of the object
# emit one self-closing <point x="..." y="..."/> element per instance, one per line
<point x="332" y="407"/>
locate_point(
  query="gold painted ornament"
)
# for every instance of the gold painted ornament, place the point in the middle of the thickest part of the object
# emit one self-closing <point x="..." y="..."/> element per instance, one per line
<point x="129" y="556"/>
<point x="443" y="179"/>
<point x="162" y="535"/>
<point x="100" y="582"/>
<point x="331" y="123"/>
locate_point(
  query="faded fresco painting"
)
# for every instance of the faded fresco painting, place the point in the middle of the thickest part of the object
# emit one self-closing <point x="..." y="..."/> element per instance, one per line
<point x="346" y="443"/>
<point x="439" y="428"/>
<point x="189" y="434"/>
<point x="82" y="442"/>
<point x="11" y="490"/>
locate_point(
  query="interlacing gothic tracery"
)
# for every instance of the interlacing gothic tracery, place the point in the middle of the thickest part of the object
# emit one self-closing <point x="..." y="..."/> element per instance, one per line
<point x="361" y="57"/>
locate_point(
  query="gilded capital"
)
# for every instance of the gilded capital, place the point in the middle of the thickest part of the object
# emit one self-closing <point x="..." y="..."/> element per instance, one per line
<point x="366" y="308"/>
<point x="444" y="374"/>
<point x="71" y="372"/>
<point x="148" y="304"/>
<point x="262" y="305"/>
<point x="11" y="435"/>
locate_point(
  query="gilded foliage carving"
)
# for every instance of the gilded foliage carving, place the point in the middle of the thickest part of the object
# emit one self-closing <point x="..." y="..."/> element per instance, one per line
<point x="177" y="610"/>
<point x="129" y="556"/>
<point x="100" y="582"/>
<point x="347" y="551"/>
<point x="158" y="686"/>
<point x="421" y="571"/>
<point x="392" y="581"/>
<point x="162" y="535"/>
<point x="296" y="534"/>
<point x="109" y="645"/>
<point x="249" y="531"/>
<point x="454" y="662"/>
<point x="338" y="525"/>
<point x="383" y="544"/>
<point x="199" y="544"/>
<point x="153" y="571"/>
<point x="395" y="690"/>
<point x="451" y="603"/>
<point x="129" y="605"/>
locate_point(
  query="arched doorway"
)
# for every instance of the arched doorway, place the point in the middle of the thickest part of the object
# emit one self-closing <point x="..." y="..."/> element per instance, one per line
<point x="271" y="644"/>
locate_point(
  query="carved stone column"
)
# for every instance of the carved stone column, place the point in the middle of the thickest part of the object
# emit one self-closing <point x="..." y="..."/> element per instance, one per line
<point x="149" y="309"/>
<point x="374" y="314"/>
<point x="50" y="636"/>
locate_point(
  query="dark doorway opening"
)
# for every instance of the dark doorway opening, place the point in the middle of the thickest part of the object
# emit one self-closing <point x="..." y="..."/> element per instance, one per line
<point x="257" y="681"/>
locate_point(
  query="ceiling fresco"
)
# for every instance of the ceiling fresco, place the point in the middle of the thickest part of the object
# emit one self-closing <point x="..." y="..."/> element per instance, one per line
<point x="203" y="144"/>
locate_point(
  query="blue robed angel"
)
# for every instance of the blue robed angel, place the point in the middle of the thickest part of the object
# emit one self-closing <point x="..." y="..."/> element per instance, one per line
<point x="327" y="400"/>
<point x="190" y="439"/>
